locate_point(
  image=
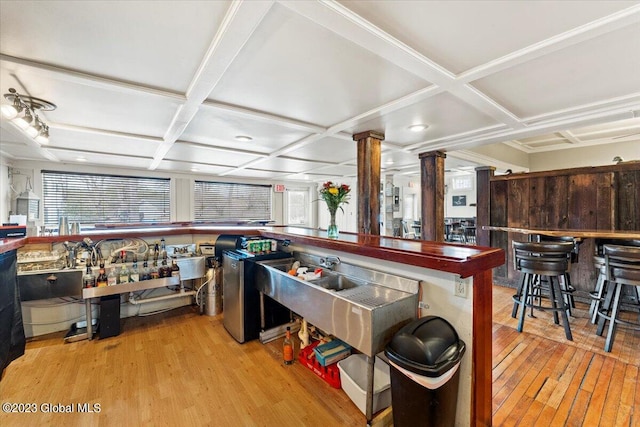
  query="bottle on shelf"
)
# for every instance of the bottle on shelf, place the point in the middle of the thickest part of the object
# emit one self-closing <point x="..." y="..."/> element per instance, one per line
<point x="154" y="272"/>
<point x="287" y="348"/>
<point x="123" y="276"/>
<point x="134" y="274"/>
<point x="165" y="270"/>
<point x="112" y="277"/>
<point x="102" y="279"/>
<point x="88" y="280"/>
<point x="146" y="273"/>
<point x="175" y="269"/>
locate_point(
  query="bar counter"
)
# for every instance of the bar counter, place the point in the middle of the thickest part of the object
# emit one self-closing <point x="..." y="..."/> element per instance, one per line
<point x="425" y="259"/>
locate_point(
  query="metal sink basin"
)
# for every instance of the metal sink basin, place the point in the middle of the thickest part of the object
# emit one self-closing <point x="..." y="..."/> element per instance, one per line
<point x="362" y="307"/>
<point x="336" y="282"/>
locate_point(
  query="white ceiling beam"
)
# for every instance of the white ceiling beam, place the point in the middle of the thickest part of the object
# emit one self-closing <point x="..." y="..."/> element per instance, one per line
<point x="104" y="132"/>
<point x="344" y="22"/>
<point x="569" y="38"/>
<point x="238" y="25"/>
<point x="533" y="130"/>
<point x="78" y="77"/>
<point x="263" y="117"/>
<point x="570" y="137"/>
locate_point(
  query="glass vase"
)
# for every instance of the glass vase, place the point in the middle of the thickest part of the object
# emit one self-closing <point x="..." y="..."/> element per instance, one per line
<point x="332" y="230"/>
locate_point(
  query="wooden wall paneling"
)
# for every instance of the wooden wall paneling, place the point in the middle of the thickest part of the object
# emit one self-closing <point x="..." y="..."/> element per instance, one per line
<point x="628" y="200"/>
<point x="498" y="217"/>
<point x="582" y="201"/>
<point x="605" y="204"/>
<point x="557" y="196"/>
<point x="538" y="206"/>
<point x="518" y="203"/>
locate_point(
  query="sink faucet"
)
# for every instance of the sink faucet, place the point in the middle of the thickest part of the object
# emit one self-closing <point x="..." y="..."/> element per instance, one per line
<point x="329" y="262"/>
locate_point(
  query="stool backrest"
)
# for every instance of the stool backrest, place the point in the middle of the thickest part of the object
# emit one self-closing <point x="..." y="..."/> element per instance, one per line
<point x="622" y="264"/>
<point x="545" y="258"/>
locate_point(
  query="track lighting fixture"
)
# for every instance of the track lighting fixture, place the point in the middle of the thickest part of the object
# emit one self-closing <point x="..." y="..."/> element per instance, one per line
<point x="23" y="113"/>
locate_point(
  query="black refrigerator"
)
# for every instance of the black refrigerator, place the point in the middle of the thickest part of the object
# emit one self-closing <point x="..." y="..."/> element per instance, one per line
<point x="241" y="312"/>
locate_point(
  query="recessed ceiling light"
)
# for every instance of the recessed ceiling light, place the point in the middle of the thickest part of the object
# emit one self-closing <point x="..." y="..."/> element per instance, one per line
<point x="194" y="169"/>
<point x="418" y="128"/>
<point x="81" y="159"/>
<point x="243" y="138"/>
<point x="389" y="162"/>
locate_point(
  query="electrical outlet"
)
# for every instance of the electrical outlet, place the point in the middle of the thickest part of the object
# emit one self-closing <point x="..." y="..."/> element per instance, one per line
<point x="460" y="287"/>
<point x="423" y="305"/>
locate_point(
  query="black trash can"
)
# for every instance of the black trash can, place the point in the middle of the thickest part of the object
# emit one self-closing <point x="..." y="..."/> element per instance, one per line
<point x="425" y="359"/>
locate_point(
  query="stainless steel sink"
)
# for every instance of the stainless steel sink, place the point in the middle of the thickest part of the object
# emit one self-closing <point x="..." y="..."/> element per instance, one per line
<point x="364" y="308"/>
<point x="336" y="282"/>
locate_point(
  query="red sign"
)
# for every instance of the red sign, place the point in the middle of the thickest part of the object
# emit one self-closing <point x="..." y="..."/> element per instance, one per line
<point x="279" y="188"/>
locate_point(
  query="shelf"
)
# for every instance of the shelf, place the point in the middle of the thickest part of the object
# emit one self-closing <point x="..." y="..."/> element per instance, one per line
<point x="129" y="287"/>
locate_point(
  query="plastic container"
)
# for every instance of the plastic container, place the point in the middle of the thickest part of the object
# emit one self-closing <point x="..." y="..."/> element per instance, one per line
<point x="353" y="374"/>
<point x="425" y="358"/>
<point x="330" y="374"/>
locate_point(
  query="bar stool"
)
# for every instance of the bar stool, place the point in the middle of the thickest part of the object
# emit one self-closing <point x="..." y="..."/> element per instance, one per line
<point x="622" y="266"/>
<point x="566" y="287"/>
<point x="538" y="260"/>
<point x="597" y="295"/>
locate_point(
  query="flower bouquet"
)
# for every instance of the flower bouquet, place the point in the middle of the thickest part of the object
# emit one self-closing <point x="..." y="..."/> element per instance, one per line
<point x="334" y="196"/>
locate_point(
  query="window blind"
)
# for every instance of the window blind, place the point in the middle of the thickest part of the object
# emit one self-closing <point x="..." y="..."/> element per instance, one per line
<point x="91" y="198"/>
<point x="231" y="201"/>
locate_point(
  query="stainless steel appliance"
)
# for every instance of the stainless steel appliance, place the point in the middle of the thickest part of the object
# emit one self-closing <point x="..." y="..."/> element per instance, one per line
<point x="242" y="299"/>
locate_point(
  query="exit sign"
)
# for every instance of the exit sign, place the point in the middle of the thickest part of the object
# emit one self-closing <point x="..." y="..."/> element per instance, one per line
<point x="279" y="188"/>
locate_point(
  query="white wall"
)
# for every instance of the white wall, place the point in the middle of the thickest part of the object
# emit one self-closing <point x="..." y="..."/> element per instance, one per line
<point x="597" y="155"/>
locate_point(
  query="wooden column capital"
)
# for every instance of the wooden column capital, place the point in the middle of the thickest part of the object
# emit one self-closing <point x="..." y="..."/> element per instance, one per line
<point x="368" y="134"/>
<point x="432" y="154"/>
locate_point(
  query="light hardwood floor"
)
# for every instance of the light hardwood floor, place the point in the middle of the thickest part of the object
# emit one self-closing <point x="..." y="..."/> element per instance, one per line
<point x="180" y="368"/>
<point x="541" y="379"/>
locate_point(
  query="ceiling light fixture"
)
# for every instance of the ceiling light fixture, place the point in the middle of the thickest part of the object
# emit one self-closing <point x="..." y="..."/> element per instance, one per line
<point x="23" y="113"/>
<point x="244" y="138"/>
<point x="418" y="128"/>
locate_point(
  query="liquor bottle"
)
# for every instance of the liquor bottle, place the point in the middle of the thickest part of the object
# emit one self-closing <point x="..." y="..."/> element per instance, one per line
<point x="102" y="279"/>
<point x="287" y="348"/>
<point x="112" y="277"/>
<point x="175" y="269"/>
<point x="123" y="277"/>
<point x="155" y="273"/>
<point x="88" y="280"/>
<point x="146" y="273"/>
<point x="165" y="270"/>
<point x="134" y="274"/>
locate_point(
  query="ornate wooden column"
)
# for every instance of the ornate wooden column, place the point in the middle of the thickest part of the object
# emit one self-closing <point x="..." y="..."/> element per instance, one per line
<point x="483" y="208"/>
<point x="432" y="182"/>
<point x="369" y="143"/>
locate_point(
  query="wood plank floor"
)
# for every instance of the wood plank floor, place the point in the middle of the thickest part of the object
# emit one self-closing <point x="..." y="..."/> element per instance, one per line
<point x="541" y="379"/>
<point x="180" y="368"/>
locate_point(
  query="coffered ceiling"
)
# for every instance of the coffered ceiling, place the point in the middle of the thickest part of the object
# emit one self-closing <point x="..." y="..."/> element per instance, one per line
<point x="169" y="86"/>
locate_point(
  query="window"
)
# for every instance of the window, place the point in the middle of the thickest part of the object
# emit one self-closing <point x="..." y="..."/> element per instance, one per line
<point x="462" y="183"/>
<point x="231" y="201"/>
<point x="110" y="199"/>
<point x="298" y="207"/>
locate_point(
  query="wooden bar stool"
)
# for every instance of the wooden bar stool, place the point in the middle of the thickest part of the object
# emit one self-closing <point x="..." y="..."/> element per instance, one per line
<point x="622" y="266"/>
<point x="543" y="266"/>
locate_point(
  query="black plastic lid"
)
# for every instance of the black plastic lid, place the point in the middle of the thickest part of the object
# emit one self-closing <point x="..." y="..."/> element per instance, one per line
<point x="428" y="346"/>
